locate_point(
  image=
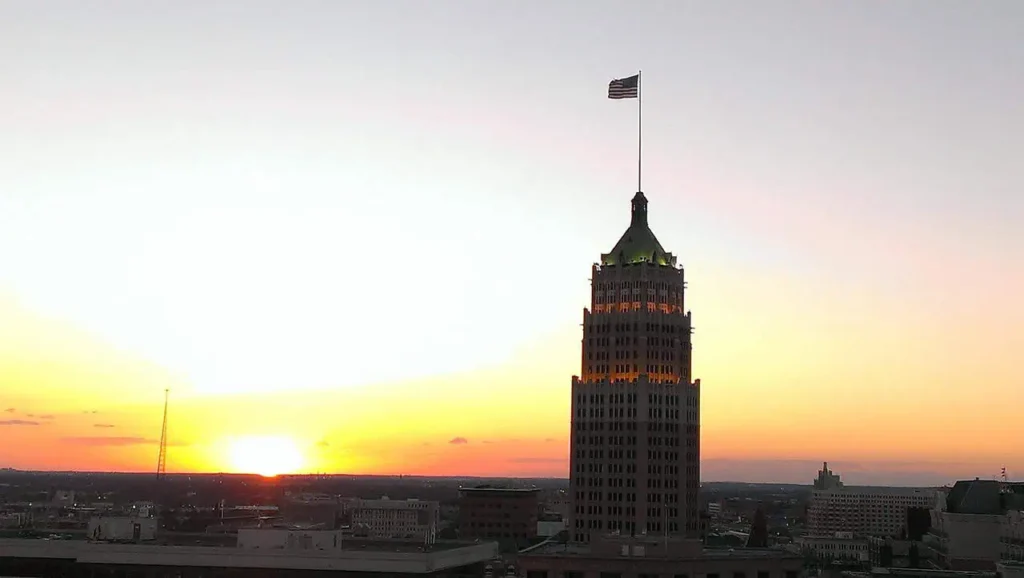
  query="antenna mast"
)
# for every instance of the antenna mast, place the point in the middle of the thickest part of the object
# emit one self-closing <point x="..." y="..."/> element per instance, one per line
<point x="161" y="461"/>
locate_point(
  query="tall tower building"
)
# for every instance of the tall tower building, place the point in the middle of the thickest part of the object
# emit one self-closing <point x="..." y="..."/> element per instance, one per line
<point x="635" y="441"/>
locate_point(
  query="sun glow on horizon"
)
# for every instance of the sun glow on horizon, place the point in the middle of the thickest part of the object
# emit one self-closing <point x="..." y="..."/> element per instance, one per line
<point x="267" y="456"/>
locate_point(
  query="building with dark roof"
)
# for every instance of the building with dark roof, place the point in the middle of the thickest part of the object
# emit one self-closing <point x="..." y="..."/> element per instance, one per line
<point x="979" y="523"/>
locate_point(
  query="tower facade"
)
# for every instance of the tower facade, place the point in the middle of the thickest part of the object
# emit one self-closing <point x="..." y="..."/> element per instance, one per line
<point x="635" y="439"/>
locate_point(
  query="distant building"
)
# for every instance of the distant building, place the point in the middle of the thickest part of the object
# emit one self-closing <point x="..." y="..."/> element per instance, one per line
<point x="121" y="529"/>
<point x="842" y="546"/>
<point x="862" y="511"/>
<point x="395" y="519"/>
<point x="505" y="514"/>
<point x="318" y="510"/>
<point x="826" y="480"/>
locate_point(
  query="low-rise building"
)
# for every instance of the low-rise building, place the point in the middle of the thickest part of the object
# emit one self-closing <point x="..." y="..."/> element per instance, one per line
<point x="493" y="513"/>
<point x="842" y="546"/>
<point x="395" y="519"/>
<point x="121" y="529"/>
<point x="653" y="557"/>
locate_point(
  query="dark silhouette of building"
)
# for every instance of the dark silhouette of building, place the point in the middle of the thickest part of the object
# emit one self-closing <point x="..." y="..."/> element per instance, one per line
<point x="758" y="537"/>
<point x="827" y="480"/>
<point x="635" y="439"/>
<point x="508" y="515"/>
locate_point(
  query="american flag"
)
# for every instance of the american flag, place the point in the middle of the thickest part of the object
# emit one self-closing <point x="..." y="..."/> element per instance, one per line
<point x="624" y="87"/>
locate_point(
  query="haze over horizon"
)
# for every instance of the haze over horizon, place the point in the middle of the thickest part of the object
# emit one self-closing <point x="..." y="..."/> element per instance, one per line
<point x="357" y="239"/>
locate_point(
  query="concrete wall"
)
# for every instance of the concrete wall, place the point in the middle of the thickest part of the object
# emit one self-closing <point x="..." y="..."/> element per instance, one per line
<point x="279" y="539"/>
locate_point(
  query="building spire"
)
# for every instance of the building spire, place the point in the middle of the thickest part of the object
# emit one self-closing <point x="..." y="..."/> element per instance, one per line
<point x="639" y="210"/>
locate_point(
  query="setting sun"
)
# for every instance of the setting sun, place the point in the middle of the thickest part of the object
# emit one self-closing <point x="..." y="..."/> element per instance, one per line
<point x="266" y="456"/>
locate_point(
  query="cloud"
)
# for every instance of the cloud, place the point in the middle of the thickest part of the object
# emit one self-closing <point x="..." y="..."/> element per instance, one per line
<point x="9" y="410"/>
<point x="47" y="416"/>
<point x="488" y="442"/>
<point x="549" y="440"/>
<point x="538" y="460"/>
<point x="18" y="422"/>
<point x="323" y="444"/>
<point x="104" y="425"/>
<point x="458" y="441"/>
<point x="92" y="412"/>
<point x="109" y="441"/>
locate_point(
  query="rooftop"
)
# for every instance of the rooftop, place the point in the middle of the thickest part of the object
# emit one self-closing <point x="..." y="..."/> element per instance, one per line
<point x="499" y="490"/>
<point x="400" y="559"/>
<point x="875" y="490"/>
<point x="556" y="549"/>
<point x="638" y="244"/>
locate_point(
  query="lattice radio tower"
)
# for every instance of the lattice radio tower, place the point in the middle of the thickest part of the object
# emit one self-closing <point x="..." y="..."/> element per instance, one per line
<point x="161" y="461"/>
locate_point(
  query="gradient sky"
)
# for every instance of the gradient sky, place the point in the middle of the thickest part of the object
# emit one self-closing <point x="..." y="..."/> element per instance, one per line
<point x="359" y="233"/>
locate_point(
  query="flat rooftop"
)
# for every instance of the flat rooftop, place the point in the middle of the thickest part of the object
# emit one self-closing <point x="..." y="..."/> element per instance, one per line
<point x="495" y="490"/>
<point x="358" y="557"/>
<point x="555" y="549"/>
<point x="880" y="490"/>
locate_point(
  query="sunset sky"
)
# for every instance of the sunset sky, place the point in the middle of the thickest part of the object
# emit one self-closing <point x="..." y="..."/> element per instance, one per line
<point x="356" y="236"/>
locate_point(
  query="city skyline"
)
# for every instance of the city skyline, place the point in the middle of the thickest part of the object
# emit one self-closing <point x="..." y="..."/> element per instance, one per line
<point x="390" y="280"/>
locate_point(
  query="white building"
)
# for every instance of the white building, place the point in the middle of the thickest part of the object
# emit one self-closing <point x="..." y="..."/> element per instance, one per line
<point x="864" y="511"/>
<point x="287" y="539"/>
<point x="386" y="518"/>
<point x="121" y="529"/>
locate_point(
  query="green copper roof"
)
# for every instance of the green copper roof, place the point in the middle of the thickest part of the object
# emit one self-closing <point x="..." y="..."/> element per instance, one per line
<point x="638" y="244"/>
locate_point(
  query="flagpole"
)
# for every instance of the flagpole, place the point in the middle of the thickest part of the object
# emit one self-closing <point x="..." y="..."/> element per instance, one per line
<point x="639" y="131"/>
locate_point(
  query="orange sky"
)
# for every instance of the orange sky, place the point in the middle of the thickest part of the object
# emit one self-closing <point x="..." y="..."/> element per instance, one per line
<point x="870" y="395"/>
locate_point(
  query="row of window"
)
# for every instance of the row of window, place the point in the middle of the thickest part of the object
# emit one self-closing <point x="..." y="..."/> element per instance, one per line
<point x="635" y="284"/>
<point x="620" y="354"/>
<point x="652" y="442"/>
<point x="631" y="398"/>
<point x="624" y="326"/>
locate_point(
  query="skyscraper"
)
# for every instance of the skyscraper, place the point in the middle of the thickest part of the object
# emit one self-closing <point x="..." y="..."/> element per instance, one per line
<point x="635" y="440"/>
